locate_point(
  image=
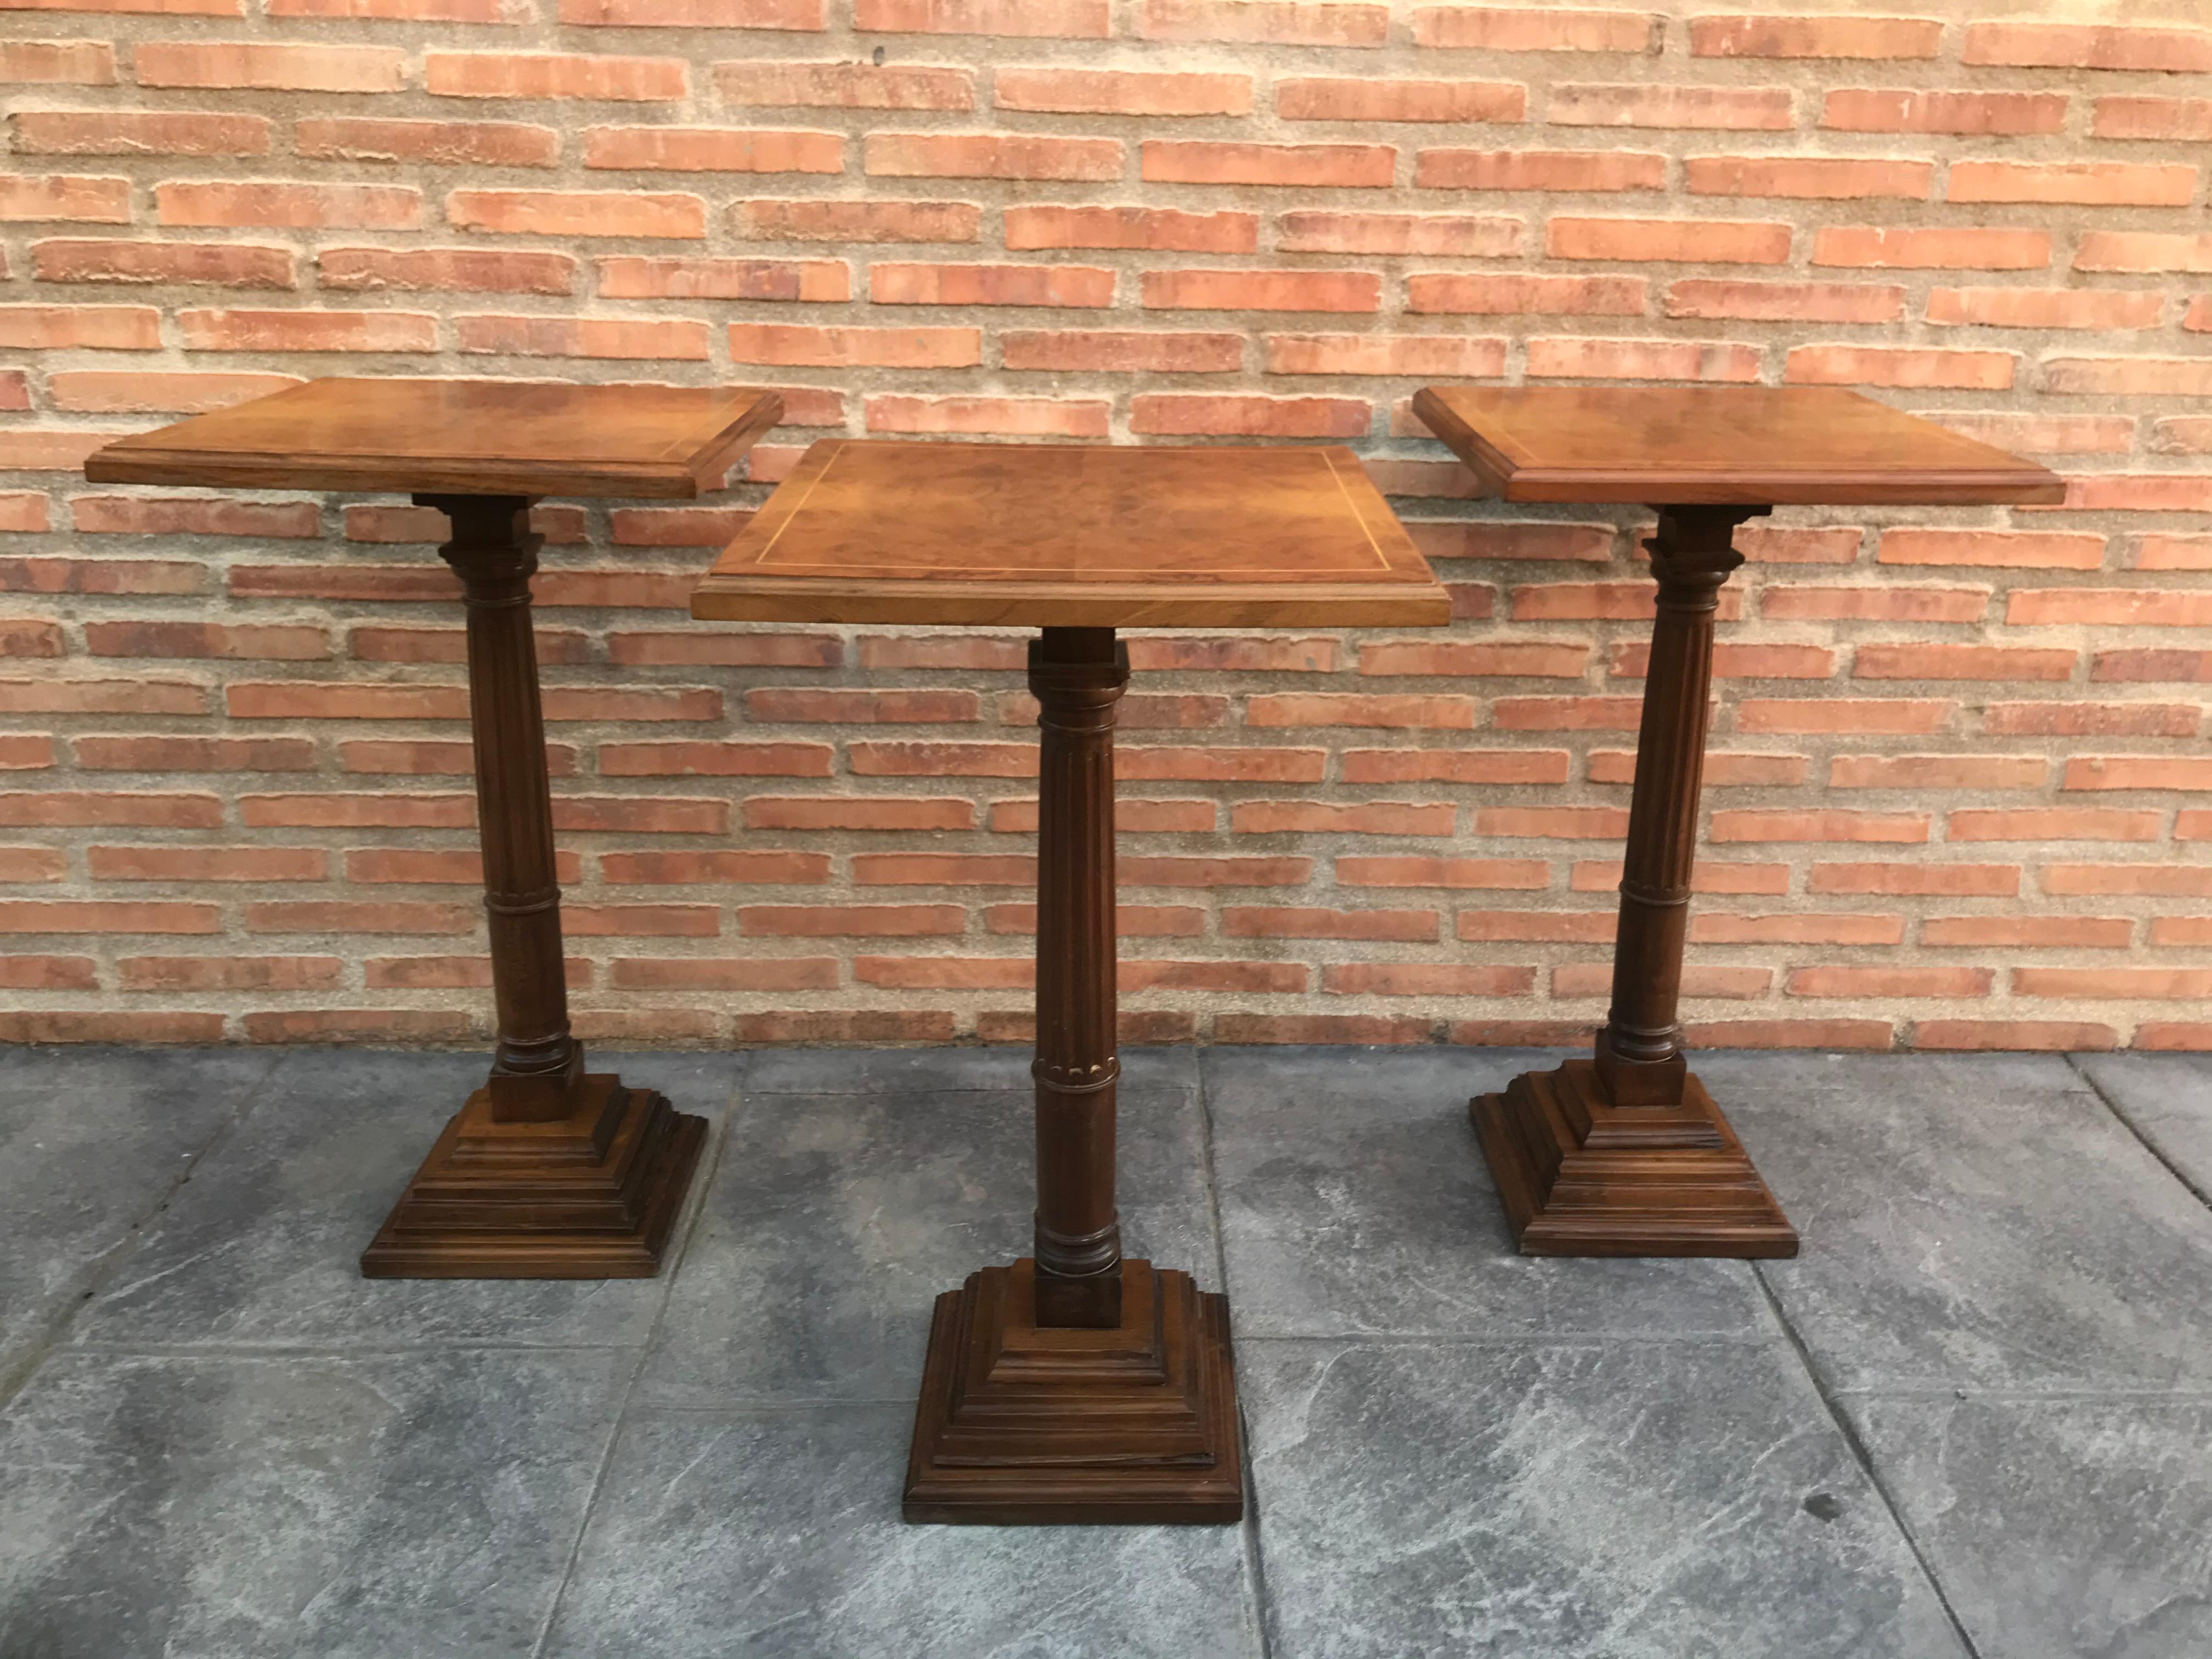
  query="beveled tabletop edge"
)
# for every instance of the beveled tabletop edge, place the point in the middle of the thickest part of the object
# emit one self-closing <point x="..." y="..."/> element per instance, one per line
<point x="139" y="458"/>
<point x="1510" y="478"/>
<point x="1061" y="604"/>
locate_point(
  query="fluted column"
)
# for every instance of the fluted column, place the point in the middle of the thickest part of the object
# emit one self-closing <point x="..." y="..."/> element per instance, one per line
<point x="1640" y="1050"/>
<point x="537" y="1062"/>
<point x="1077" y="674"/>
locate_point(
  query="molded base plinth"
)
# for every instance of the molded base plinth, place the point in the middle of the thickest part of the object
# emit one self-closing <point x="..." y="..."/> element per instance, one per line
<point x="591" y="1195"/>
<point x="1021" y="1424"/>
<point x="1582" y="1176"/>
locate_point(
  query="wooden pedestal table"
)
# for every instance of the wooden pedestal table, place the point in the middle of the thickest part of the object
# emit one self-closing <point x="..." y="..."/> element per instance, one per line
<point x="1073" y="1385"/>
<point x="1626" y="1153"/>
<point x="548" y="1171"/>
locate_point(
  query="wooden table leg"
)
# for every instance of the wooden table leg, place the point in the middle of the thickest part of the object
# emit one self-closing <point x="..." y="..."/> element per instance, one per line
<point x="1626" y="1153"/>
<point x="548" y="1171"/>
<point x="1075" y="1385"/>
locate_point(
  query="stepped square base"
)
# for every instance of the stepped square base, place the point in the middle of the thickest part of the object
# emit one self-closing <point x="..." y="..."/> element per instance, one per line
<point x="1020" y="1423"/>
<point x="591" y="1195"/>
<point x="1580" y="1176"/>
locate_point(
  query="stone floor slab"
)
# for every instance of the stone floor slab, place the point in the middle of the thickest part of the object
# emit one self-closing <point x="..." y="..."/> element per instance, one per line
<point x="777" y="1532"/>
<point x="263" y="1246"/>
<point x="1980" y="1220"/>
<point x="1355" y="1200"/>
<point x="91" y="1140"/>
<point x="1628" y="1500"/>
<point x="2167" y="1100"/>
<point x="2058" y="1528"/>
<point x="204" y="1506"/>
<point x="837" y="1220"/>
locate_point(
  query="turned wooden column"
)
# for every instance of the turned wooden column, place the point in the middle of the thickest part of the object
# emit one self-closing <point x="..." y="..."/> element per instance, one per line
<point x="495" y="553"/>
<point x="1640" y="1049"/>
<point x="1077" y="674"/>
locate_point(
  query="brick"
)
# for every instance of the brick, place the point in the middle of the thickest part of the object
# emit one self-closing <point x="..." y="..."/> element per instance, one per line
<point x="1187" y="414"/>
<point x="2113" y="984"/>
<point x="1596" y="170"/>
<point x="1578" y="358"/>
<point x="2162" y="120"/>
<point x="861" y="812"/>
<point x="2146" y="607"/>
<point x="2055" y="1037"/>
<point x="99" y="328"/>
<point x="978" y="760"/>
<point x="1552" y="823"/>
<point x="1155" y="228"/>
<point x="1044" y="417"/>
<point x="57" y="63"/>
<point x="1563" y="660"/>
<point x="948" y="973"/>
<point x="807" y="346"/>
<point x="105" y="863"/>
<point x="2184" y="930"/>
<point x="1272" y="921"/>
<point x="1700" y="981"/>
<point x="1815" y="37"/>
<point x="553" y="75"/>
<point x="778" y="83"/>
<point x="135" y="1026"/>
<point x="63" y="808"/>
<point x="45" y="973"/>
<point x="1797" y="927"/>
<point x="50" y="695"/>
<point x="858" y="1025"/>
<point x="672" y="338"/>
<point x="2165" y="880"/>
<point x="1949" y="247"/>
<point x="1884" y="983"/>
<point x="439" y="143"/>
<point x="2090" y="720"/>
<point x="2030" y="933"/>
<point x="1766" y="109"/>
<point x="1194" y="161"/>
<point x="2184" y="667"/>
<point x="1268" y="818"/>
<point x="2144" y="250"/>
<point x="1233" y="653"/>
<point x="2015" y="307"/>
<point x="1456" y="235"/>
<point x="1467" y="292"/>
<point x="2162" y="772"/>
<point x="1318" y="1028"/>
<point x="189" y="639"/>
<point x="268" y="66"/>
<point x="183" y="754"/>
<point x="195" y="263"/>
<point x="25" y="199"/>
<point x="850" y="921"/>
<point x="1830" y="178"/>
<point x="1874" y="1034"/>
<point x="1686" y="241"/>
<point x="696" y="14"/>
<point x="460" y="271"/>
<point x="2093" y="184"/>
<point x="1410" y="979"/>
<point x="2077" y="46"/>
<point x="1120" y="91"/>
<point x="578" y="213"/>
<point x="713" y="149"/>
<point x="894" y="282"/>
<point x="1945" y="772"/>
<point x="1262" y="290"/>
<point x="2053" y="823"/>
<point x="991" y="155"/>
<point x="1566" y="714"/>
<point x="1359" y="99"/>
<point x="2047" y="434"/>
<point x="29" y="864"/>
<point x="1737" y="661"/>
<point x="126" y="392"/>
<point x="1832" y="824"/>
<point x="725" y="867"/>
<point x="714" y="760"/>
<point x="138" y="132"/>
<point x="1898" y="365"/>
<point x="293" y="206"/>
<point x="1524" y="874"/>
<point x="308" y="331"/>
<point x="2002" y="549"/>
<point x="1875" y="661"/>
<point x="641" y="277"/>
<point x="1976" y="114"/>
<point x="943" y="869"/>
<point x="2184" y="377"/>
<point x="1785" y="302"/>
<point x="1576" y="543"/>
<point x="2155" y="1034"/>
<point x="106" y="916"/>
<point x="49" y="451"/>
<point x="1074" y="19"/>
<point x="1269" y="22"/>
<point x="1493" y="28"/>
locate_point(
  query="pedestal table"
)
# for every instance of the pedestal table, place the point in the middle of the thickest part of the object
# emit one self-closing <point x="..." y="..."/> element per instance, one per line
<point x="547" y="1171"/>
<point x="1626" y="1153"/>
<point x="1074" y="1385"/>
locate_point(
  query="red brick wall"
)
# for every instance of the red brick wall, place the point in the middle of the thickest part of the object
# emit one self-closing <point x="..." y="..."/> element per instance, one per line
<point x="1957" y="752"/>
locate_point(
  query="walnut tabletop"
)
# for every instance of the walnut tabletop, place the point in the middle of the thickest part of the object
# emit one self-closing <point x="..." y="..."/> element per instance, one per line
<point x="1074" y="536"/>
<point x="480" y="437"/>
<point x="1759" y="446"/>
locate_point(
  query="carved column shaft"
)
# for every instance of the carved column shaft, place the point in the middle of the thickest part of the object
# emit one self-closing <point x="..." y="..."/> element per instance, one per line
<point x="1077" y="674"/>
<point x="1640" y="1050"/>
<point x="495" y="554"/>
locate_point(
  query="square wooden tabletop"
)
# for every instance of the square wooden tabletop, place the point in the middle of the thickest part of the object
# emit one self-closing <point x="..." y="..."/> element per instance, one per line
<point x="1716" y="446"/>
<point x="468" y="437"/>
<point x="1034" y="535"/>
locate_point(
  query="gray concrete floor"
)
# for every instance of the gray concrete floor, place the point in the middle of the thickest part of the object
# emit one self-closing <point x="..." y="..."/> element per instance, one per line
<point x="1975" y="1417"/>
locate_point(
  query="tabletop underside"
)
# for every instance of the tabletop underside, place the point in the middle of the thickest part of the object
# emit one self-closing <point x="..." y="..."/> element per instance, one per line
<point x="1077" y="536"/>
